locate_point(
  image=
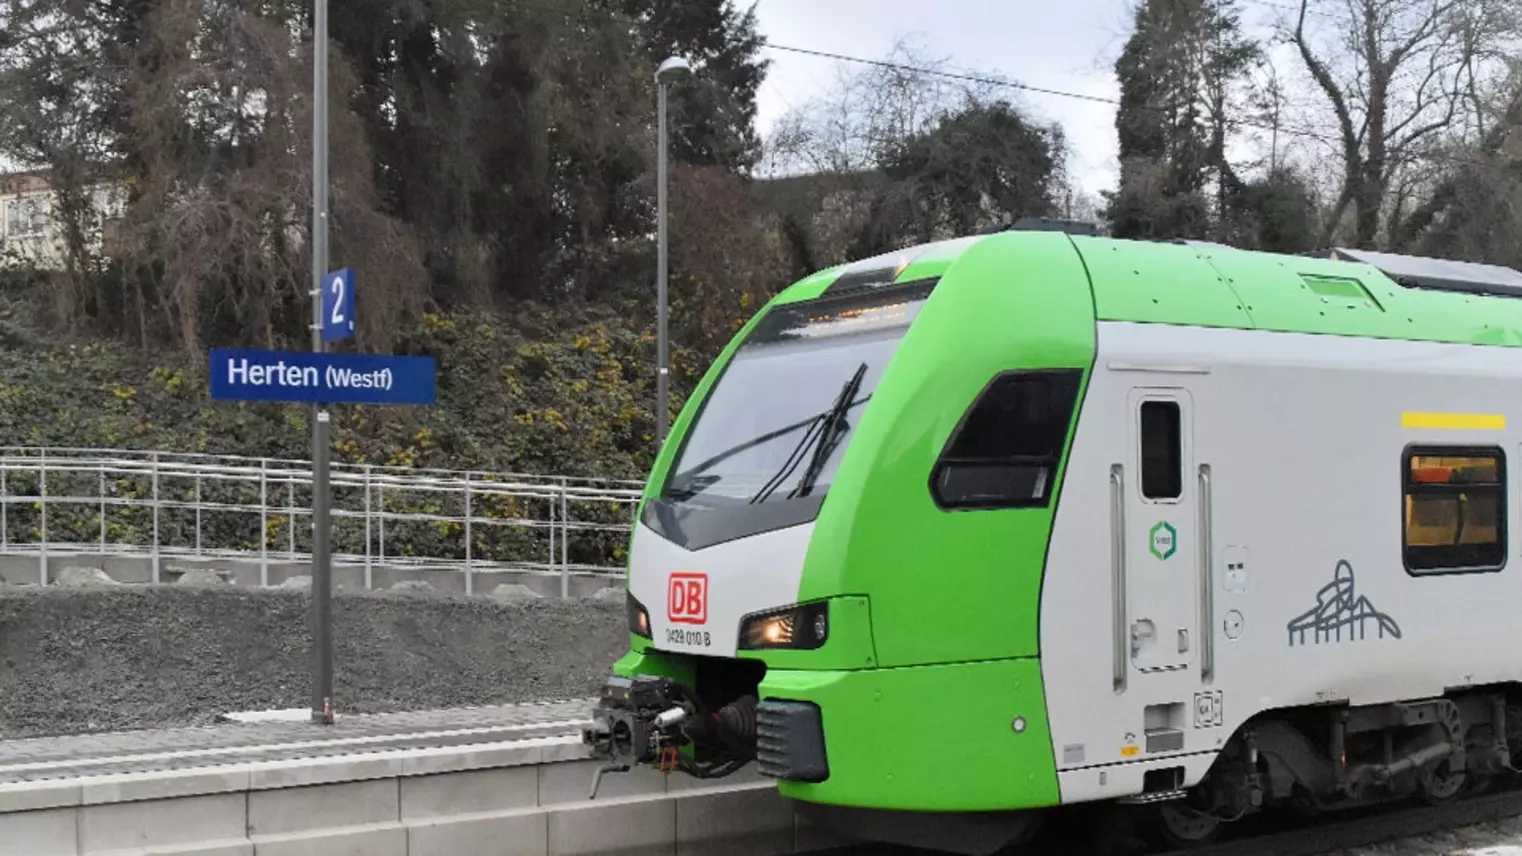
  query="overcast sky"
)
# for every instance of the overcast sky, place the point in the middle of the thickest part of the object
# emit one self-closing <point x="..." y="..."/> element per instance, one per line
<point x="1068" y="45"/>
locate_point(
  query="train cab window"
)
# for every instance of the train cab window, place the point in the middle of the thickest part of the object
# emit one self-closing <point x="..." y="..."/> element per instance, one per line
<point x="1004" y="454"/>
<point x="1162" y="454"/>
<point x="1455" y="509"/>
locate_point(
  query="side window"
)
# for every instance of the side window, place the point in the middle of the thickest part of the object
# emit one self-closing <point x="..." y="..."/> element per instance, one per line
<point x="26" y="217"/>
<point x="1004" y="454"/>
<point x="1162" y="451"/>
<point x="1455" y="509"/>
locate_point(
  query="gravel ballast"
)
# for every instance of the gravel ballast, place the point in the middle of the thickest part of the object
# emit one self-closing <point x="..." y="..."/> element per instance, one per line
<point x="127" y="657"/>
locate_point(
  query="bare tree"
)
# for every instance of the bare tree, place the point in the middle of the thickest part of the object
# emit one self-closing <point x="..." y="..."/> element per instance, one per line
<point x="870" y="111"/>
<point x="1410" y="76"/>
<point x="1469" y="177"/>
<point x="220" y="118"/>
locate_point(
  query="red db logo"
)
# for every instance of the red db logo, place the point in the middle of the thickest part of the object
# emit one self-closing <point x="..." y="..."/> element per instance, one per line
<point x="687" y="599"/>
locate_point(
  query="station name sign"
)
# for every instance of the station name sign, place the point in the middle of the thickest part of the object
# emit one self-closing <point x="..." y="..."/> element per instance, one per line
<point x="240" y="374"/>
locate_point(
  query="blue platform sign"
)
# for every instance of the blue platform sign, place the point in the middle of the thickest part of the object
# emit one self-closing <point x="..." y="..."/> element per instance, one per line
<point x="338" y="305"/>
<point x="240" y="374"/>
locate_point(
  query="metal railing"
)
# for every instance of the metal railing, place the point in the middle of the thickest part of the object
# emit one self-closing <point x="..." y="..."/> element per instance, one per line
<point x="166" y="505"/>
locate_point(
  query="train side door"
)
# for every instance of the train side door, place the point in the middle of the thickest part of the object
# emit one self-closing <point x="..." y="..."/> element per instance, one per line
<point x="1161" y="559"/>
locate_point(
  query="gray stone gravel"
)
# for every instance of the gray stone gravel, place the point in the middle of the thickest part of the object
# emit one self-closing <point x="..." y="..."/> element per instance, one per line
<point x="83" y="577"/>
<point x="202" y="577"/>
<point x="513" y="592"/>
<point x="1465" y="840"/>
<point x="126" y="657"/>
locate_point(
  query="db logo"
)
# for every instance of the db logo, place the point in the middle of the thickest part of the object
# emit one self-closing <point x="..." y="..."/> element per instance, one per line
<point x="687" y="599"/>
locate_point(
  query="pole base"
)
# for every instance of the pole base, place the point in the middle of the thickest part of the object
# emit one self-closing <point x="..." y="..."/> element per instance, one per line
<point x="261" y="717"/>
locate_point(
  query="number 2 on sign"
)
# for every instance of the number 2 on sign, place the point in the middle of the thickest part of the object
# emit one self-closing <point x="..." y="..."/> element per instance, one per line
<point x="338" y="300"/>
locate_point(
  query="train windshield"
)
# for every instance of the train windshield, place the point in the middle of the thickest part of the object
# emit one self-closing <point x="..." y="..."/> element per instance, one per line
<point x="778" y="421"/>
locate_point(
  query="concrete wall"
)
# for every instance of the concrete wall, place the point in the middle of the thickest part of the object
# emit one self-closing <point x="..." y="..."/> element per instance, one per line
<point x="27" y="569"/>
<point x="524" y="798"/>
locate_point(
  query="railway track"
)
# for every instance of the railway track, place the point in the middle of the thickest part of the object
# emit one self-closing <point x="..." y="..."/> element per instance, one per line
<point x="86" y="755"/>
<point x="1283" y="835"/>
<point x="1102" y="831"/>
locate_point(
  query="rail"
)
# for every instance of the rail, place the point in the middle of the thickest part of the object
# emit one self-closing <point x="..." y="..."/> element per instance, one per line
<point x="167" y="505"/>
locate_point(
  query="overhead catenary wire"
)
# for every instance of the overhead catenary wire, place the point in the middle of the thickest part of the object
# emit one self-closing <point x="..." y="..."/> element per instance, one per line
<point x="954" y="75"/>
<point x="1290" y="7"/>
<point x="1333" y="140"/>
<point x="987" y="80"/>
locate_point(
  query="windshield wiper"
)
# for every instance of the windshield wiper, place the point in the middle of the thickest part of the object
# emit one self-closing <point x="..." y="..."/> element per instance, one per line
<point x="691" y="473"/>
<point x="793" y="459"/>
<point x="834" y="429"/>
<point x="826" y="421"/>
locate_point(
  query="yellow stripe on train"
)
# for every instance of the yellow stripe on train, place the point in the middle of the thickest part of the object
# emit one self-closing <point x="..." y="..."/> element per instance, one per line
<point x="1459" y="421"/>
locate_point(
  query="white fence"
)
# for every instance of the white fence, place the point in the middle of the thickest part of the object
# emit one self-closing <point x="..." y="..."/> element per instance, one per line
<point x="163" y="505"/>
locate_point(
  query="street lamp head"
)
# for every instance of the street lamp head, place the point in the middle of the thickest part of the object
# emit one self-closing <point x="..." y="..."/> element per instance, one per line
<point x="671" y="69"/>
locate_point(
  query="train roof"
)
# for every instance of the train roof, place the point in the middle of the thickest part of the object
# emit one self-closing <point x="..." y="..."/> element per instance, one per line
<point x="1347" y="292"/>
<point x="1441" y="274"/>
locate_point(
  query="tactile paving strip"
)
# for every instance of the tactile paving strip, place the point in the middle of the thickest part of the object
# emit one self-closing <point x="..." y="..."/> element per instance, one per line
<point x="48" y="758"/>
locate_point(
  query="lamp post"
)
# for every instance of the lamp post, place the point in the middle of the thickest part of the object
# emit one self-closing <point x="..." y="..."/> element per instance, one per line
<point x="669" y="70"/>
<point x="322" y="580"/>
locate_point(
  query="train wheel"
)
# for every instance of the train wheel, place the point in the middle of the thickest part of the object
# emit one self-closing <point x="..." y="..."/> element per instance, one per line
<point x="1177" y="825"/>
<point x="1440" y="785"/>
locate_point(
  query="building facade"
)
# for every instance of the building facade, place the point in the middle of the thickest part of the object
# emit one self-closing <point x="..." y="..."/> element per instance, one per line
<point x="31" y="233"/>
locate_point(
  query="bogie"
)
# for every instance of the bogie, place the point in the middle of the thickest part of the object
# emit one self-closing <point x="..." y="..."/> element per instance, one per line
<point x="1331" y="758"/>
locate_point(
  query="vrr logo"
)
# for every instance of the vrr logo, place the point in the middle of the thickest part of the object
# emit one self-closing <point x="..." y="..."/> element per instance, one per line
<point x="687" y="599"/>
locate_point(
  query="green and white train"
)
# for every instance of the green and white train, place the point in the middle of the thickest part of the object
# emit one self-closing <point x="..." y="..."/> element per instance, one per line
<point x="953" y="536"/>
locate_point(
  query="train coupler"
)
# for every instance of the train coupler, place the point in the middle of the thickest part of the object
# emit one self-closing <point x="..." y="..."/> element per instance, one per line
<point x="649" y="720"/>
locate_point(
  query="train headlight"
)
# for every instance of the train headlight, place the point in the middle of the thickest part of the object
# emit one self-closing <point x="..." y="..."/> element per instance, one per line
<point x="803" y="627"/>
<point x="639" y="617"/>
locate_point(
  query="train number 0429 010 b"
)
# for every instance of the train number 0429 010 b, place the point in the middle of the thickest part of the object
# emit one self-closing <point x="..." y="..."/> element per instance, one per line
<point x="678" y="636"/>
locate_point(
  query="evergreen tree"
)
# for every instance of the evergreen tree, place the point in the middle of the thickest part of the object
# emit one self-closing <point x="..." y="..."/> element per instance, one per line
<point x="981" y="166"/>
<point x="712" y="113"/>
<point x="1178" y="74"/>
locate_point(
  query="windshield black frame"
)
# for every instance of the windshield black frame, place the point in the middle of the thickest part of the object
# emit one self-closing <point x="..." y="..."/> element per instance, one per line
<point x="859" y="331"/>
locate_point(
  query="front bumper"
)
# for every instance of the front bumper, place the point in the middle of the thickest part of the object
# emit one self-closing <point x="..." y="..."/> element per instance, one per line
<point x="953" y="738"/>
<point x="956" y="737"/>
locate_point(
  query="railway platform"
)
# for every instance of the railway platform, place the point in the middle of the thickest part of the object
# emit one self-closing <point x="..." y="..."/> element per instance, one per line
<point x="489" y="781"/>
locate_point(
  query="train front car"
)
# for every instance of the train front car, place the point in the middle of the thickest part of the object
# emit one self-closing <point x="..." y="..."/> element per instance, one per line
<point x="837" y="568"/>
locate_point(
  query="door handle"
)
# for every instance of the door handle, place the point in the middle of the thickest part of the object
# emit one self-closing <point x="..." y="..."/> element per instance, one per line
<point x="1118" y="579"/>
<point x="1183" y="640"/>
<point x="1207" y="580"/>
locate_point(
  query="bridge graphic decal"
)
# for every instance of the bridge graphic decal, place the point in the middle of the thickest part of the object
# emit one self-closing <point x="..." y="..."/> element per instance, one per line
<point x="1340" y="614"/>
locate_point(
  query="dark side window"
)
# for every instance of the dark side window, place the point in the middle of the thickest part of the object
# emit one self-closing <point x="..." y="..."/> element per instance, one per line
<point x="1455" y="509"/>
<point x="1004" y="453"/>
<point x="1162" y="452"/>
